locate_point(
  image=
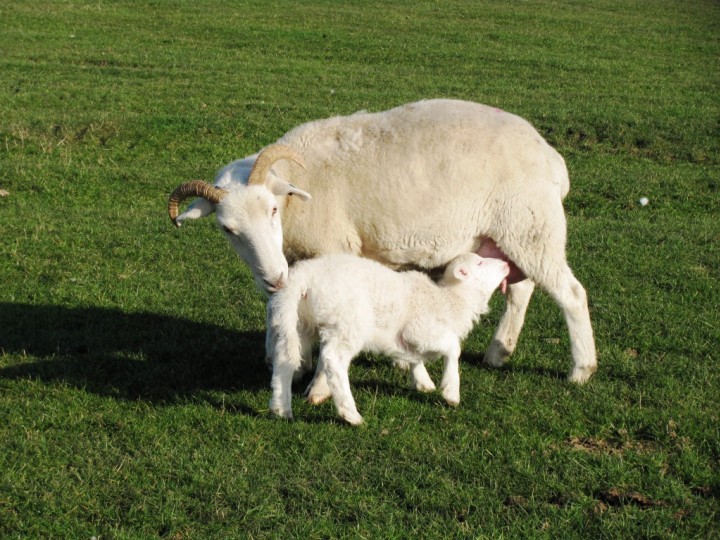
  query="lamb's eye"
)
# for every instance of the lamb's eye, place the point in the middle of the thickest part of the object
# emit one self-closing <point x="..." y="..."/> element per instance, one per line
<point x="274" y="210"/>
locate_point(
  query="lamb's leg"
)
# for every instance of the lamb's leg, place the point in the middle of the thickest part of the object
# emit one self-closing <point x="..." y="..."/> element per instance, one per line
<point x="420" y="378"/>
<point x="306" y="344"/>
<point x="336" y="365"/>
<point x="424" y="334"/>
<point x="450" y="384"/>
<point x="318" y="390"/>
<point x="507" y="333"/>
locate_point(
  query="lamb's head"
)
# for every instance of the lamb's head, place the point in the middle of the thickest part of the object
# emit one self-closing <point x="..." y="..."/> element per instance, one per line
<point x="479" y="273"/>
<point x="247" y="213"/>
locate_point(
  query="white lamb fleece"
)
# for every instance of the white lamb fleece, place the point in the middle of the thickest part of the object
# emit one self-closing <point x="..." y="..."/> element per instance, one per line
<point x="350" y="304"/>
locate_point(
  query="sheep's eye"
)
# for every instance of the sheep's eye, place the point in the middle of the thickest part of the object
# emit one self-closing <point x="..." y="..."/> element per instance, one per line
<point x="274" y="210"/>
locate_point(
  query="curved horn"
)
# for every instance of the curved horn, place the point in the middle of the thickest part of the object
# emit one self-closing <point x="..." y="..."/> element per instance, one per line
<point x="194" y="188"/>
<point x="267" y="158"/>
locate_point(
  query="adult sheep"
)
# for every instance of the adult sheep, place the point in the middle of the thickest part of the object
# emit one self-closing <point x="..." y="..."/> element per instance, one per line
<point x="413" y="186"/>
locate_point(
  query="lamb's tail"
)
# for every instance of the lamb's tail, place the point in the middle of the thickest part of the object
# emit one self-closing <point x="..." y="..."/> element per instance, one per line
<point x="283" y="340"/>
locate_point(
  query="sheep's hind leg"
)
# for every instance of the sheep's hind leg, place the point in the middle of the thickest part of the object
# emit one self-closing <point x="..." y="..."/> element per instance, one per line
<point x="572" y="299"/>
<point x="507" y="333"/>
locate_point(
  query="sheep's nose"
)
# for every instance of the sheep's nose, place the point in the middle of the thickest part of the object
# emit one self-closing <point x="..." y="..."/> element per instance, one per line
<point x="281" y="281"/>
<point x="274" y="285"/>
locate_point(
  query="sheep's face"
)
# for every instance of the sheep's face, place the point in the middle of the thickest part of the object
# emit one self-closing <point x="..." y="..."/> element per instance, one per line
<point x="250" y="219"/>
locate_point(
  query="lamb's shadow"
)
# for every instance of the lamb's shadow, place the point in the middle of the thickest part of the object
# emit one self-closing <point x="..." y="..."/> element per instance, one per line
<point x="129" y="355"/>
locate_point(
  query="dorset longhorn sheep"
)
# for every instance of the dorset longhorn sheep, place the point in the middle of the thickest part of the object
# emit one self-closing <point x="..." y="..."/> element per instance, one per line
<point x="350" y="304"/>
<point x="411" y="187"/>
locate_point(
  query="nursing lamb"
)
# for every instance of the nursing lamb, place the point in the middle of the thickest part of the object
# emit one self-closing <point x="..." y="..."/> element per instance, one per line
<point x="350" y="304"/>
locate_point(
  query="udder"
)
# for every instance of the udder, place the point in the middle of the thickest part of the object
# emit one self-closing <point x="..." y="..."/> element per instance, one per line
<point x="489" y="248"/>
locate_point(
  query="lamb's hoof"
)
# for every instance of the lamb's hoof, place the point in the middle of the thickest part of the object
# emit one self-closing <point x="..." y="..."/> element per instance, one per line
<point x="402" y="364"/>
<point x="317" y="393"/>
<point x="497" y="354"/>
<point x="317" y="399"/>
<point x="581" y="375"/>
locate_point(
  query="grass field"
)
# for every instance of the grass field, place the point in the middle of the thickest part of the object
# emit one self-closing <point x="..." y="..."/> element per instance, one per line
<point x="133" y="393"/>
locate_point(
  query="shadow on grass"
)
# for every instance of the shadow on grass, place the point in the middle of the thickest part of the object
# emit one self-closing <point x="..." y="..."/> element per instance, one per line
<point x="129" y="355"/>
<point x="512" y="367"/>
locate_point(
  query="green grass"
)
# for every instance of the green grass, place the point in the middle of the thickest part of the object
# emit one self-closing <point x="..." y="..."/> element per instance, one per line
<point x="133" y="393"/>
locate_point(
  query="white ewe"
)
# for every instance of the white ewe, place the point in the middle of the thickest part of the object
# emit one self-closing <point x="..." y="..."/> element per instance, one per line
<point x="350" y="305"/>
<point x="411" y="187"/>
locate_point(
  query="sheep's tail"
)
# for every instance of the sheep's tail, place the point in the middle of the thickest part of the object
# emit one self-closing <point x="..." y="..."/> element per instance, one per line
<point x="562" y="178"/>
<point x="283" y="341"/>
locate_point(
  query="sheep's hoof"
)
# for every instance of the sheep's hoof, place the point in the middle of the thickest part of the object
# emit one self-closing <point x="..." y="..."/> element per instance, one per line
<point x="354" y="419"/>
<point x="497" y="354"/>
<point x="287" y="415"/>
<point x="280" y="411"/>
<point x="581" y="375"/>
<point x="453" y="401"/>
<point x="425" y="387"/>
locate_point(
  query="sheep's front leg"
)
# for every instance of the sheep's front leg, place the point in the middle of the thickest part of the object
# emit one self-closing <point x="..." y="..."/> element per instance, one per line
<point x="507" y="333"/>
<point x="336" y="365"/>
<point x="281" y="400"/>
<point x="286" y="362"/>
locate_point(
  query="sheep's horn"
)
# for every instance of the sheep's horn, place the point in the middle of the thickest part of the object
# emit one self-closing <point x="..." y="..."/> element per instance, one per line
<point x="194" y="188"/>
<point x="267" y="158"/>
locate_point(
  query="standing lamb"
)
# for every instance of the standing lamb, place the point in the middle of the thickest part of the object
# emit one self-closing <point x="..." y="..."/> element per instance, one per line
<point x="411" y="187"/>
<point x="350" y="305"/>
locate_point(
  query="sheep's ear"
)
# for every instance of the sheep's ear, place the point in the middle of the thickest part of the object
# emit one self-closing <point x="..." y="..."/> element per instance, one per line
<point x="198" y="208"/>
<point x="278" y="186"/>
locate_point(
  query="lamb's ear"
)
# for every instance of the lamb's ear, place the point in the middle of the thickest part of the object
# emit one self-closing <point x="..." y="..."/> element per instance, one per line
<point x="278" y="186"/>
<point x="199" y="208"/>
<point x="461" y="272"/>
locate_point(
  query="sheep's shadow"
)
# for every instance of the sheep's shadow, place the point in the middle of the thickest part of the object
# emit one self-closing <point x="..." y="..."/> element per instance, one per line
<point x="158" y="358"/>
<point x="513" y="366"/>
<point x="129" y="355"/>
